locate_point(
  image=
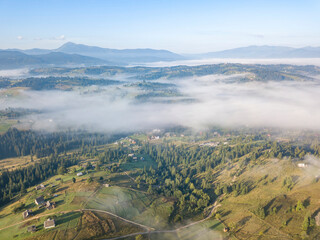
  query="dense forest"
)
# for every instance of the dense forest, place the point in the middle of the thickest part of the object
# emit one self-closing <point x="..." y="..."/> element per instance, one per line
<point x="44" y="145"/>
<point x="15" y="142"/>
<point x="17" y="181"/>
<point x="49" y="83"/>
<point x="179" y="169"/>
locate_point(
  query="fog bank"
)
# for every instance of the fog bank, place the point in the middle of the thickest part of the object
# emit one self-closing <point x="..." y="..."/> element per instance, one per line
<point x="217" y="101"/>
<point x="290" y="61"/>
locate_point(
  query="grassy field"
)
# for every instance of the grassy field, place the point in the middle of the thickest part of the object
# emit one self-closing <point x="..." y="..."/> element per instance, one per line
<point x="5" y="124"/>
<point x="282" y="220"/>
<point x="16" y="162"/>
<point x="134" y="205"/>
<point x="208" y="230"/>
<point x="69" y="197"/>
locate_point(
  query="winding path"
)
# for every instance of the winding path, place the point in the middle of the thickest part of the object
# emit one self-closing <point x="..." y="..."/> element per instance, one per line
<point x="121" y="218"/>
<point x="214" y="208"/>
<point x="149" y="230"/>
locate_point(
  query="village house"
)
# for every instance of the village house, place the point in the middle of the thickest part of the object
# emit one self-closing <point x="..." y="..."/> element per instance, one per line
<point x="58" y="179"/>
<point x="302" y="165"/>
<point x="106" y="185"/>
<point x="41" y="186"/>
<point x="50" y="205"/>
<point x="79" y="174"/>
<point x="32" y="228"/>
<point x="50" y="223"/>
<point x="26" y="213"/>
<point x="39" y="201"/>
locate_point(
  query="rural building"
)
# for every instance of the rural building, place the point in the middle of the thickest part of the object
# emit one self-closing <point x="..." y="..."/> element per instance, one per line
<point x="302" y="165"/>
<point x="58" y="179"/>
<point x="130" y="154"/>
<point x="26" y="213"/>
<point x="50" y="223"/>
<point x="106" y="185"/>
<point x="41" y="186"/>
<point x="32" y="228"/>
<point x="79" y="174"/>
<point x="39" y="201"/>
<point x="50" y="205"/>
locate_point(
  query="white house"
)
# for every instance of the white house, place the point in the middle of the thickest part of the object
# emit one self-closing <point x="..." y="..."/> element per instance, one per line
<point x="302" y="165"/>
<point x="49" y="223"/>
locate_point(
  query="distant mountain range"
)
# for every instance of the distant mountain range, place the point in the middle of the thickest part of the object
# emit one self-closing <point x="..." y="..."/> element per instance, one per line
<point x="15" y="59"/>
<point x="263" y="52"/>
<point x="71" y="54"/>
<point x="74" y="54"/>
<point x="122" y="56"/>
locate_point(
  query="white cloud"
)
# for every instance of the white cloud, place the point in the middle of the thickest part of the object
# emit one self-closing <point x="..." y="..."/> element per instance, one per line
<point x="61" y="37"/>
<point x="20" y="38"/>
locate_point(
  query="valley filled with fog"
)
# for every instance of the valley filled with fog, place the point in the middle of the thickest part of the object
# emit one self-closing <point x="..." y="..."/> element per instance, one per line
<point x="199" y="101"/>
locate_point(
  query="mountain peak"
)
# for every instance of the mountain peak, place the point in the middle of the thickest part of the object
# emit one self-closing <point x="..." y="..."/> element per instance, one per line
<point x="69" y="46"/>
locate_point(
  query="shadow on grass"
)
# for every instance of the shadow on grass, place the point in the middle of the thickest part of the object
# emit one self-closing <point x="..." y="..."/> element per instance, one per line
<point x="67" y="217"/>
<point x="306" y="202"/>
<point x="244" y="220"/>
<point x="60" y="202"/>
<point x="39" y="210"/>
<point x="31" y="205"/>
<point x="223" y="214"/>
<point x="4" y="215"/>
<point x="62" y="189"/>
<point x="214" y="226"/>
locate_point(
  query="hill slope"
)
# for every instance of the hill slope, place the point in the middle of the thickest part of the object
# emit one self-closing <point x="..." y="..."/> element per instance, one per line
<point x="265" y="52"/>
<point x="16" y="59"/>
<point x="125" y="55"/>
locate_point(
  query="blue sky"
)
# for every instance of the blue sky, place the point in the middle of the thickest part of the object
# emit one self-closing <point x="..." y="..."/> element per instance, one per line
<point x="180" y="26"/>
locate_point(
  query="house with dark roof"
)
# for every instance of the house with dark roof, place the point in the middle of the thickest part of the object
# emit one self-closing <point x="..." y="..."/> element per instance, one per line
<point x="49" y="223"/>
<point x="39" y="201"/>
<point x="26" y="213"/>
<point x="32" y="228"/>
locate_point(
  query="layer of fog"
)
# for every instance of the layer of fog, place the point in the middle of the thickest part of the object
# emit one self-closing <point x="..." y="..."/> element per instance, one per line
<point x="219" y="101"/>
<point x="291" y="61"/>
<point x="16" y="73"/>
<point x="312" y="166"/>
